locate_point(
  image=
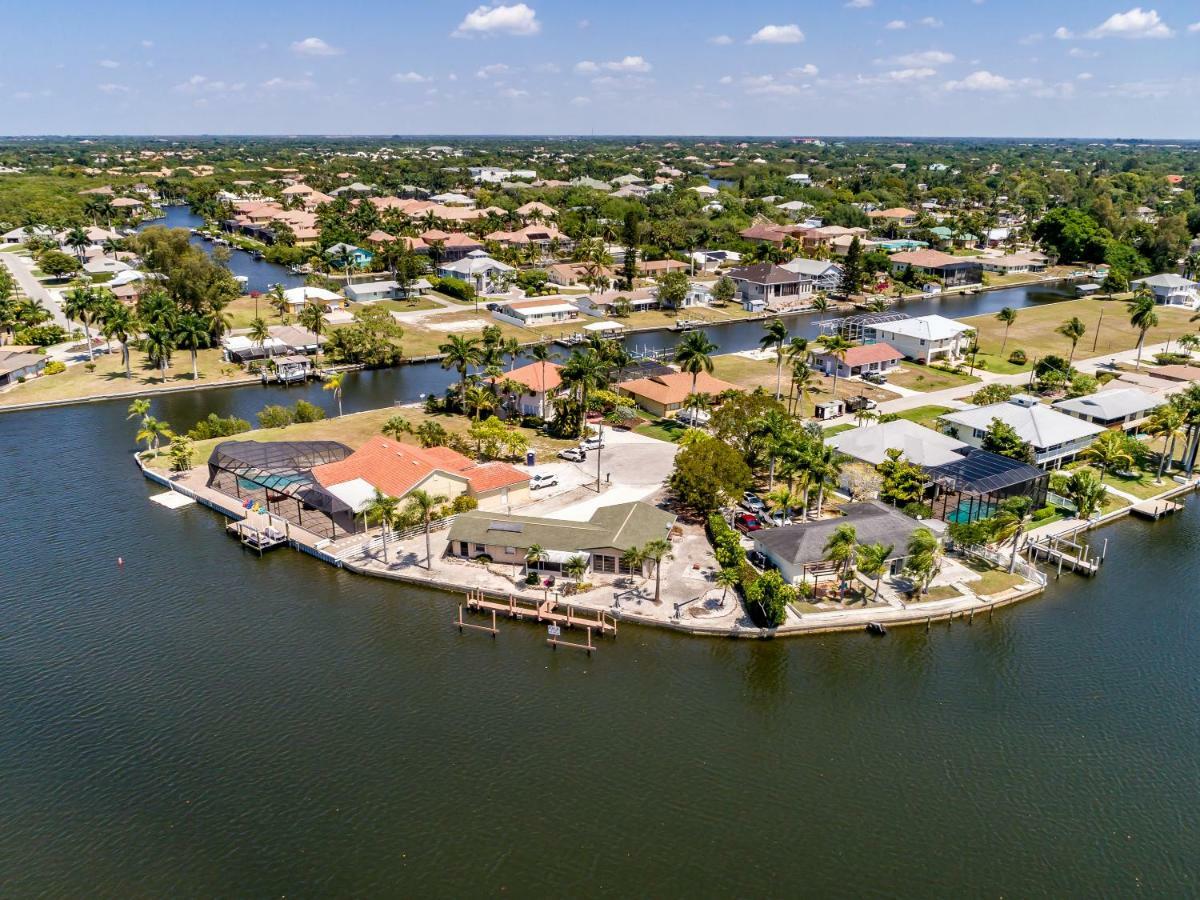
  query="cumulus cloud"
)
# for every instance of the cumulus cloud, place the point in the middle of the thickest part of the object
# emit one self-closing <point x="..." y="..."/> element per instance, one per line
<point x="859" y="4"/>
<point x="493" y="70"/>
<point x="931" y="22"/>
<point x="725" y="79"/>
<point x="777" y="34"/>
<point x="287" y="84"/>
<point x="721" y="40"/>
<point x="1194" y="28"/>
<point x="410" y="78"/>
<point x="514" y="93"/>
<point x="110" y="88"/>
<point x="896" y="25"/>
<point x="314" y="46"/>
<point x="915" y="74"/>
<point x="202" y="84"/>
<point x="768" y="85"/>
<point x="1063" y="34"/>
<point x="518" y="19"/>
<point x="982" y="80"/>
<point x="919" y="59"/>
<point x="628" y="65"/>
<point x="808" y="70"/>
<point x="581" y="101"/>
<point x="1137" y="23"/>
<point x="108" y="64"/>
<point x="1081" y="53"/>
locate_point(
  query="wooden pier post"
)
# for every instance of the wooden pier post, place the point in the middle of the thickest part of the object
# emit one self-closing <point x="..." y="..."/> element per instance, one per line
<point x="1104" y="550"/>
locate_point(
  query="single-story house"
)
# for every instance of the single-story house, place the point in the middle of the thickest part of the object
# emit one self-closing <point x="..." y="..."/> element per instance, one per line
<point x="544" y="311"/>
<point x="569" y="274"/>
<point x="602" y="304"/>
<point x="388" y="289"/>
<point x="1114" y="407"/>
<point x="298" y="297"/>
<point x="1171" y="289"/>
<point x="798" y="551"/>
<point x="952" y="270"/>
<point x="361" y="258"/>
<point x="918" y="444"/>
<point x="541" y="383"/>
<point x="877" y="357"/>
<point x="663" y="395"/>
<point x="397" y="469"/>
<point x="602" y="540"/>
<point x="651" y="268"/>
<point x="18" y="363"/>
<point x="1012" y="264"/>
<point x="925" y="339"/>
<point x="479" y="270"/>
<point x="1055" y="437"/>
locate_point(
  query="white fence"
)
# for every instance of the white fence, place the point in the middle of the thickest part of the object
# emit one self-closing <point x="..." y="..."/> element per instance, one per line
<point x="1003" y="560"/>
<point x="376" y="543"/>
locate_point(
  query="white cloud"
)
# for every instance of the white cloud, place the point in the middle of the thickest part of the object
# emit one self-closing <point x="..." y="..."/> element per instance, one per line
<point x="1084" y="76"/>
<point x="108" y="64"/>
<point x="514" y="93"/>
<point x="725" y="79"/>
<point x="859" y="4"/>
<point x="721" y="40"/>
<point x="1133" y="24"/>
<point x="110" y="88"/>
<point x="314" y="46"/>
<point x="410" y="78"/>
<point x="517" y="19"/>
<point x="896" y="25"/>
<point x="1081" y="53"/>
<point x="982" y="80"/>
<point x="581" y="101"/>
<point x="491" y="71"/>
<point x="582" y="24"/>
<point x="287" y="84"/>
<point x="548" y="67"/>
<point x="920" y="59"/>
<point x="909" y="74"/>
<point x="147" y="44"/>
<point x="777" y="34"/>
<point x="1063" y="34"/>
<point x="1194" y="28"/>
<point x="1031" y="39"/>
<point x="201" y="84"/>
<point x="627" y="65"/>
<point x="808" y="70"/>
<point x="768" y="85"/>
<point x="931" y="22"/>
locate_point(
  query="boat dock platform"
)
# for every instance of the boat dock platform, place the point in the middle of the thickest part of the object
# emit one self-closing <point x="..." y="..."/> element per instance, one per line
<point x="1156" y="509"/>
<point x="549" y="611"/>
<point x="259" y="539"/>
<point x="1064" y="551"/>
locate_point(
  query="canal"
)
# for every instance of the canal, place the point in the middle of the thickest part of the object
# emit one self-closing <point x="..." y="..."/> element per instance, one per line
<point x="201" y="722"/>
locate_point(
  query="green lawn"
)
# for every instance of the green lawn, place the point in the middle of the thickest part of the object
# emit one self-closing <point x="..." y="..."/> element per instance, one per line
<point x="925" y="415"/>
<point x="1142" y="486"/>
<point x="664" y="430"/>
<point x="992" y="581"/>
<point x="917" y="377"/>
<point x="993" y="362"/>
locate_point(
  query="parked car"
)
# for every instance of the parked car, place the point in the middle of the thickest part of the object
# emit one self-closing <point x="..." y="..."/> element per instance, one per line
<point x="572" y="454"/>
<point x="694" y="417"/>
<point x="753" y="502"/>
<point x="542" y="480"/>
<point x="875" y="377"/>
<point x="778" y="518"/>
<point x="591" y="443"/>
<point x="746" y="523"/>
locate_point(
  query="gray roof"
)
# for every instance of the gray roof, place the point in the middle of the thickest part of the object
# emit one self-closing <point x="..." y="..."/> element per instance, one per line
<point x="1036" y="424"/>
<point x="920" y="445"/>
<point x="873" y="522"/>
<point x="621" y="527"/>
<point x="815" y="267"/>
<point x="1167" y="280"/>
<point x="1113" y="404"/>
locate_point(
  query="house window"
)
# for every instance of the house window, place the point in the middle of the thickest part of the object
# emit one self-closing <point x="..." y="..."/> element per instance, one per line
<point x="606" y="565"/>
<point x="509" y="551"/>
<point x="480" y="548"/>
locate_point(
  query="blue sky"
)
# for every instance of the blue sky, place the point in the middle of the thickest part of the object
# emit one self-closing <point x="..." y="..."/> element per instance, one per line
<point x="846" y="67"/>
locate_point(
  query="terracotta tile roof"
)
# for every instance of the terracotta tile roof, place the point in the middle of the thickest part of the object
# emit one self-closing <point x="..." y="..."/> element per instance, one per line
<point x="674" y="388"/>
<point x="868" y="353"/>
<point x="396" y="468"/>
<point x="927" y="259"/>
<point x="531" y="376"/>
<point x="462" y="240"/>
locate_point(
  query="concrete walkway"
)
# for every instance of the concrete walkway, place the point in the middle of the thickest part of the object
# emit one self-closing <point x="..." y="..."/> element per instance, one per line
<point x="22" y="270"/>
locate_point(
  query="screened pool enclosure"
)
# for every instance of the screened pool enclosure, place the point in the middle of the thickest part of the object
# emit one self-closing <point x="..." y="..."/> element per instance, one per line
<point x="973" y="488"/>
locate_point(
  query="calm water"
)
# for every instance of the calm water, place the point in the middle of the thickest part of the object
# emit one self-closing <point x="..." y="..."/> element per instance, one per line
<point x="205" y="723"/>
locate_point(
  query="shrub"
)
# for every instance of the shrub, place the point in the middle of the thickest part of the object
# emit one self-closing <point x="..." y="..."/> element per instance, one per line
<point x="40" y="335"/>
<point x="918" y="511"/>
<point x="726" y="545"/>
<point x="532" y="579"/>
<point x="275" y="416"/>
<point x="1043" y="513"/>
<point x="307" y="412"/>
<point x="484" y="558"/>
<point x="1018" y="357"/>
<point x="994" y="393"/>
<point x="767" y="599"/>
<point x="452" y="287"/>
<point x="462" y="503"/>
<point x="54" y="367"/>
<point x="1171" y="359"/>
<point x="213" y="426"/>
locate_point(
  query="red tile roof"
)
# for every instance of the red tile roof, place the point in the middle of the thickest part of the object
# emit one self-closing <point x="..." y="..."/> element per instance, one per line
<point x="868" y="353"/>
<point x="674" y="388"/>
<point x="531" y="376"/>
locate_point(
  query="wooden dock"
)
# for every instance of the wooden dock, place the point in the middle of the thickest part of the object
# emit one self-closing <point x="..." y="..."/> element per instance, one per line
<point x="550" y="611"/>
<point x="1156" y="509"/>
<point x="1064" y="551"/>
<point x="259" y="539"/>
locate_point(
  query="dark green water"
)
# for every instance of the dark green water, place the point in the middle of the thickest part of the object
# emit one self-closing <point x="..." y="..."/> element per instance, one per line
<point x="203" y="723"/>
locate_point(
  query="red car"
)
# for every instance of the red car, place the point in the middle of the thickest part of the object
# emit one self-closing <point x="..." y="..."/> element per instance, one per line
<point x="745" y="523"/>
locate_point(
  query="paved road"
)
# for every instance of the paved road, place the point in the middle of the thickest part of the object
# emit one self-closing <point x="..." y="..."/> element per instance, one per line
<point x="22" y="269"/>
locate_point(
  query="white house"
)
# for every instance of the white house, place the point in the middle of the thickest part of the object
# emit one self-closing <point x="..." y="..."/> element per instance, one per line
<point x="826" y="275"/>
<point x="546" y="311"/>
<point x="1172" y="290"/>
<point x="800" y="178"/>
<point x="371" y="291"/>
<point x="298" y="297"/>
<point x="479" y="270"/>
<point x="1114" y="408"/>
<point x="918" y="444"/>
<point x="1055" y="437"/>
<point x="924" y="339"/>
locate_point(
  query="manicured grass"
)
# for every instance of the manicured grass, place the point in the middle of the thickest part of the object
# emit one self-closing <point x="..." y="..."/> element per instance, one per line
<point x="242" y="311"/>
<point x="940" y="592"/>
<point x="1142" y="487"/>
<point x="422" y="340"/>
<point x="925" y="415"/>
<point x="993" y="581"/>
<point x="664" y="430"/>
<point x="838" y="429"/>
<point x="917" y="377"/>
<point x="353" y="430"/>
<point x="109" y="378"/>
<point x="413" y="304"/>
<point x="990" y="362"/>
<point x="1034" y="331"/>
<point x="749" y="373"/>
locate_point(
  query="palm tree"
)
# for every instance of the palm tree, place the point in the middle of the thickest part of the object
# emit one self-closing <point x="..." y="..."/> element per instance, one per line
<point x="776" y="336"/>
<point x="461" y="353"/>
<point x="802" y="381"/>
<point x="78" y="240"/>
<point x="192" y="333"/>
<point x="924" y="558"/>
<point x="1189" y="343"/>
<point x="836" y="346"/>
<point x="1143" y="317"/>
<point x="824" y="467"/>
<point x="535" y="555"/>
<point x="1008" y="315"/>
<point x="278" y="302"/>
<point x="657" y="550"/>
<point x="725" y="579"/>
<point x="160" y="343"/>
<point x="872" y="560"/>
<point x="820" y="303"/>
<point x="384" y="509"/>
<point x="152" y="431"/>
<point x="842" y="549"/>
<point x="477" y="399"/>
<point x="1009" y="521"/>
<point x="82" y="304"/>
<point x="312" y="317"/>
<point x="1086" y="491"/>
<point x="422" y="505"/>
<point x="219" y="323"/>
<point x="694" y="355"/>
<point x="1110" y="451"/>
<point x="576" y="567"/>
<point x="137" y="409"/>
<point x="584" y="372"/>
<point x="334" y="383"/>
<point x="396" y="427"/>
<point x="1166" y="423"/>
<point x="1073" y="329"/>
<point x="259" y="333"/>
<point x="119" y="323"/>
<point x="782" y="500"/>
